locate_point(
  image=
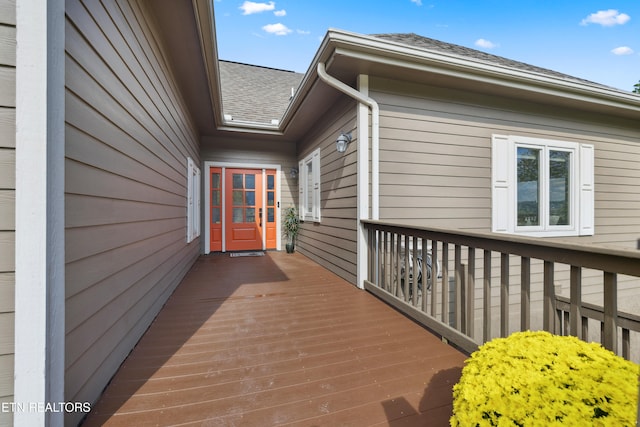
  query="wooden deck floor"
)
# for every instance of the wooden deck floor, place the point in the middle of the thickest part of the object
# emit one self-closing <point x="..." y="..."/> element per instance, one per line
<point x="278" y="340"/>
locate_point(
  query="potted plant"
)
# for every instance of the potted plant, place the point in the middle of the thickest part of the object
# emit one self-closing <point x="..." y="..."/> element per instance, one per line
<point x="291" y="225"/>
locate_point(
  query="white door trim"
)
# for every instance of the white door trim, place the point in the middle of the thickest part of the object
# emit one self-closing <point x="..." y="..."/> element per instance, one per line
<point x="207" y="199"/>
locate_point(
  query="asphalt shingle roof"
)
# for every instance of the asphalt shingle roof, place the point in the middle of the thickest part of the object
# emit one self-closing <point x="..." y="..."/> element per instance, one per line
<point x="416" y="40"/>
<point x="255" y="94"/>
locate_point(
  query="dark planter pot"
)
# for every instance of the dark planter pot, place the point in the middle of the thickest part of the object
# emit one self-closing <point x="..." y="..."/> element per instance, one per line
<point x="290" y="248"/>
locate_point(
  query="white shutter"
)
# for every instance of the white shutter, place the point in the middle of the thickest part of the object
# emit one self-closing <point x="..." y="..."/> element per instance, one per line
<point x="502" y="182"/>
<point x="301" y="184"/>
<point x="586" y="204"/>
<point x="316" y="185"/>
<point x="190" y="193"/>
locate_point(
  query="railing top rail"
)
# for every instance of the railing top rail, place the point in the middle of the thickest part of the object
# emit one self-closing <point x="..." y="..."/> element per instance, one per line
<point x="615" y="260"/>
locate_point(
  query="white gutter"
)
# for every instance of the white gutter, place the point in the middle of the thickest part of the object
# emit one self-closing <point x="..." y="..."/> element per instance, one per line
<point x="375" y="133"/>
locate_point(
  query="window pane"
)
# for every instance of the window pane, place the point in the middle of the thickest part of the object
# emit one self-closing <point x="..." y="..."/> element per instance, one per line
<point x="250" y="215"/>
<point x="237" y="180"/>
<point x="559" y="187"/>
<point x="250" y="181"/>
<point x="238" y="197"/>
<point x="215" y="180"/>
<point x="528" y="186"/>
<point x="215" y="216"/>
<point x="271" y="215"/>
<point x="237" y="216"/>
<point x="271" y="182"/>
<point x="215" y="197"/>
<point x="270" y="198"/>
<point x="250" y="198"/>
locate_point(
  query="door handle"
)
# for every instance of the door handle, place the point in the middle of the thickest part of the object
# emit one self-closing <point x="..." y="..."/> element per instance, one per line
<point x="260" y="215"/>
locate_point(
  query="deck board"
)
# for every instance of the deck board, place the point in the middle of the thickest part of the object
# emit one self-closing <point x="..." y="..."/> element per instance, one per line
<point x="279" y="340"/>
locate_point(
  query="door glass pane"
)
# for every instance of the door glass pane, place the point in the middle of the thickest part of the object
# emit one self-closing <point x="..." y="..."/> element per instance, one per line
<point x="250" y="198"/>
<point x="528" y="186"/>
<point x="250" y="215"/>
<point x="271" y="182"/>
<point x="250" y="182"/>
<point x="215" y="197"/>
<point x="238" y="196"/>
<point x="215" y="180"/>
<point x="559" y="185"/>
<point x="271" y="215"/>
<point x="270" y="198"/>
<point x="215" y="215"/>
<point x="237" y="180"/>
<point x="237" y="216"/>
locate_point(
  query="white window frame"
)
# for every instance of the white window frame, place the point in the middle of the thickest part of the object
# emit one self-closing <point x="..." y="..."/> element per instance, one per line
<point x="193" y="200"/>
<point x="309" y="204"/>
<point x="505" y="187"/>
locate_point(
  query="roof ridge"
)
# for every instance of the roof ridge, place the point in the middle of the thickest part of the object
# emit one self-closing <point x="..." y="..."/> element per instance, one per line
<point x="258" y="66"/>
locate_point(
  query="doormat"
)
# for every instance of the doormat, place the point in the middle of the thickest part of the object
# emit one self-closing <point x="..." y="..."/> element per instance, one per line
<point x="236" y="254"/>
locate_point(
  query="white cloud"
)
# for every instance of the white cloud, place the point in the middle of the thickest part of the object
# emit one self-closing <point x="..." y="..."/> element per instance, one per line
<point x="303" y="32"/>
<point x="485" y="44"/>
<point x="418" y="2"/>
<point x="622" y="50"/>
<point x="606" y="18"/>
<point x="280" y="12"/>
<point x="277" y="29"/>
<point x="249" y="7"/>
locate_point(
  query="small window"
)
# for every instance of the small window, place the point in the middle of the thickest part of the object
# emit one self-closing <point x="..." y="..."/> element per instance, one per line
<point x="542" y="187"/>
<point x="193" y="200"/>
<point x="309" y="181"/>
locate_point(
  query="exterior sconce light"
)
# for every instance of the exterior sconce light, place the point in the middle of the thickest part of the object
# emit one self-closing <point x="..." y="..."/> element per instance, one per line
<point x="293" y="173"/>
<point x="343" y="142"/>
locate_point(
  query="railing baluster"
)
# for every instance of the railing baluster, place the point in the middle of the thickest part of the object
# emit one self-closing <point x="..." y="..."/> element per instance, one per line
<point x="486" y="291"/>
<point x="575" y="298"/>
<point x="434" y="277"/>
<point x="423" y="273"/>
<point x="548" y="297"/>
<point x="445" y="283"/>
<point x="610" y="311"/>
<point x="398" y="281"/>
<point x="504" y="294"/>
<point x="414" y="272"/>
<point x="406" y="283"/>
<point x="626" y="344"/>
<point x="525" y="293"/>
<point x="460" y="292"/>
<point x="471" y="295"/>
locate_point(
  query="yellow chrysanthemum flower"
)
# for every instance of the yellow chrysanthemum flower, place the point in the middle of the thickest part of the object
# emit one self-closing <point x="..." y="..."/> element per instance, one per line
<point x="540" y="379"/>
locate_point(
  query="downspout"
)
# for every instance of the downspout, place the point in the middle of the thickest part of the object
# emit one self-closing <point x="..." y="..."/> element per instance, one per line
<point x="375" y="133"/>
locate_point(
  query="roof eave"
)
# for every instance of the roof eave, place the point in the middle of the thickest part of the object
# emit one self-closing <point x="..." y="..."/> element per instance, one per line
<point x="371" y="50"/>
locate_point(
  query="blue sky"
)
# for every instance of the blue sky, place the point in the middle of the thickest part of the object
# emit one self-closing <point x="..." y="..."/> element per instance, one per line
<point x="594" y="40"/>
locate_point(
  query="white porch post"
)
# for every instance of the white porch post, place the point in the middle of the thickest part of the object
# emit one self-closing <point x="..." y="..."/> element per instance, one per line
<point x="363" y="180"/>
<point x="40" y="277"/>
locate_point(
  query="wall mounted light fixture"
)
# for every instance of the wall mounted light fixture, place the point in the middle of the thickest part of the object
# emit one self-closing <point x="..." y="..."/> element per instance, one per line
<point x="293" y="173"/>
<point x="343" y="142"/>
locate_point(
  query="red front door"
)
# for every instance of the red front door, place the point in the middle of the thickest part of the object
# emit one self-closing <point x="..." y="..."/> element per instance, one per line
<point x="244" y="214"/>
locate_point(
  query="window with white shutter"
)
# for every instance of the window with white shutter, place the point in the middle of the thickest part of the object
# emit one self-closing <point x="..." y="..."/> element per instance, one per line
<point x="193" y="200"/>
<point x="542" y="187"/>
<point x="309" y="182"/>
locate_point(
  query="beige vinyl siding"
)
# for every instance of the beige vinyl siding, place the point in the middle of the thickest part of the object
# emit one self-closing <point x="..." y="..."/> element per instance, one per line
<point x="436" y="157"/>
<point x="7" y="201"/>
<point x="128" y="136"/>
<point x="436" y="171"/>
<point x="332" y="242"/>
